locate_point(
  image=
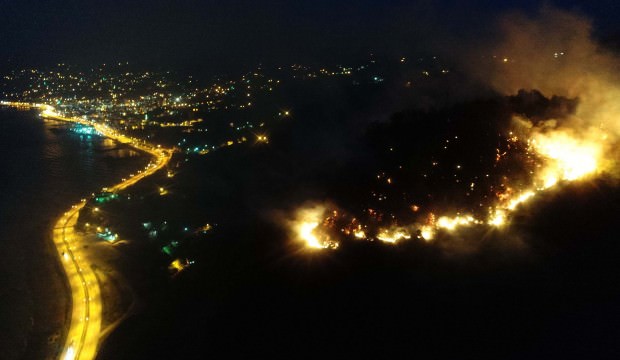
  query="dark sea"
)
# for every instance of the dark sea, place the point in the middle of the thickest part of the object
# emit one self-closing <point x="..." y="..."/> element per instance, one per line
<point x="44" y="169"/>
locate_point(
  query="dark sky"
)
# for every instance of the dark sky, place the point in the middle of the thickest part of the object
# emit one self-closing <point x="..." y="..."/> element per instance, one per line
<point x="193" y="34"/>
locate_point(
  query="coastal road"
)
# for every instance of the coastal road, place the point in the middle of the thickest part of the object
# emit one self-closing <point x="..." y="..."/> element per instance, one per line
<point x="86" y="313"/>
<point x="85" y="321"/>
<point x="87" y="307"/>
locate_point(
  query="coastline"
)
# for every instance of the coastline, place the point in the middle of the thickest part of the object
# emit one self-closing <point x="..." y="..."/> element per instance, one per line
<point x="84" y="312"/>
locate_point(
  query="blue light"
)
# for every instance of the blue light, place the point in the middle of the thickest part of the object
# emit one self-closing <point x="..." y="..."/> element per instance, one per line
<point x="85" y="130"/>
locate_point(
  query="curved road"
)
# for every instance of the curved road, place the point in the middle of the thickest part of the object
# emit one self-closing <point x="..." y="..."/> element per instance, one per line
<point x="85" y="321"/>
<point x="86" y="314"/>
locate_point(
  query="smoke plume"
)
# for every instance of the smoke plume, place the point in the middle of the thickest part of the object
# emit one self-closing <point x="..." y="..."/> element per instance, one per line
<point x="556" y="53"/>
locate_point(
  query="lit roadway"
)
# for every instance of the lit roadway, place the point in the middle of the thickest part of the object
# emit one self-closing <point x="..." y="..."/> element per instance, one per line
<point x="85" y="322"/>
<point x="86" y="314"/>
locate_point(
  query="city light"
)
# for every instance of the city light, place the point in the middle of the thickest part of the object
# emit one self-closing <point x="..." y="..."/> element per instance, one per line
<point x="70" y="353"/>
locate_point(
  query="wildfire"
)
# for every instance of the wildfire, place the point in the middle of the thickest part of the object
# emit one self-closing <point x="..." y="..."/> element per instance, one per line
<point x="576" y="140"/>
<point x="560" y="156"/>
<point x="427" y="232"/>
<point x="450" y="224"/>
<point x="568" y="158"/>
<point x="525" y="196"/>
<point x="497" y="218"/>
<point x="306" y="227"/>
<point x="393" y="235"/>
<point x="359" y="234"/>
<point x="306" y="230"/>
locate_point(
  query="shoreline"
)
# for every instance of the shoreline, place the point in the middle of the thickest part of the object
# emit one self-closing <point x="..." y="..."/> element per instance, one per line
<point x="84" y="318"/>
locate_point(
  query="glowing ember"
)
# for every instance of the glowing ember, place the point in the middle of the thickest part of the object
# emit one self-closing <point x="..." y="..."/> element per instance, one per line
<point x="512" y="204"/>
<point x="359" y="234"/>
<point x="393" y="235"/>
<point x="427" y="232"/>
<point x="497" y="218"/>
<point x="450" y="224"/>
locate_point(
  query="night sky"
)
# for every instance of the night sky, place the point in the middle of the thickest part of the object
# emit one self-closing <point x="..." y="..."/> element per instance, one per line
<point x="217" y="36"/>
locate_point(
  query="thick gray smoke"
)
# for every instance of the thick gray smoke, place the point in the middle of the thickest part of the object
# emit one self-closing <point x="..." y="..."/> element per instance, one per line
<point x="555" y="52"/>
